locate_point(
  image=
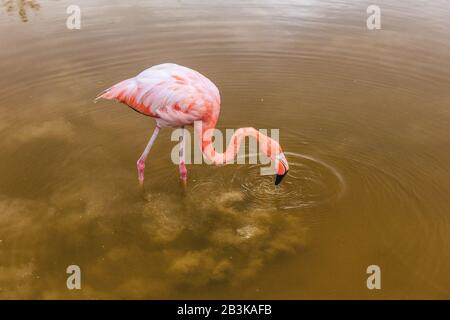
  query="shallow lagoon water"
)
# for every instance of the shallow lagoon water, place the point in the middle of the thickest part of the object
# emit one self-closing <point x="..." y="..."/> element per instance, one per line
<point x="363" y="118"/>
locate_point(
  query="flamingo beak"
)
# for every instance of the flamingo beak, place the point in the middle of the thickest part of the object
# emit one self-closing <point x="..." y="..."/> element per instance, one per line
<point x="280" y="177"/>
<point x="283" y="169"/>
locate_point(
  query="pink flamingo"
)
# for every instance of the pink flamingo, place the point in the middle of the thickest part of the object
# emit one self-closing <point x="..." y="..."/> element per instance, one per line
<point x="177" y="96"/>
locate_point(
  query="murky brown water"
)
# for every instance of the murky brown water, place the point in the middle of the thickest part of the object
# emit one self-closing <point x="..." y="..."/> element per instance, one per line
<point x="363" y="115"/>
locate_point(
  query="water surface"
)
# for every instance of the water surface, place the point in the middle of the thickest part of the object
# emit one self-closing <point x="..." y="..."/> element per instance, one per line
<point x="363" y="117"/>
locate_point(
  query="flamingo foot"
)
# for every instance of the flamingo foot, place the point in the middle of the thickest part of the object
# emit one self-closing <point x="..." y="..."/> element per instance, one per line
<point x="183" y="183"/>
<point x="140" y="169"/>
<point x="141" y="189"/>
<point x="183" y="173"/>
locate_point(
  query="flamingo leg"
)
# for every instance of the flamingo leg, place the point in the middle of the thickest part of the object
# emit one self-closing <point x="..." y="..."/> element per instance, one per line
<point x="141" y="162"/>
<point x="182" y="165"/>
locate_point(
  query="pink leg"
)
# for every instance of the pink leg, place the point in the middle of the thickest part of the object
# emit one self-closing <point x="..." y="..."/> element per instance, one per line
<point x="141" y="161"/>
<point x="182" y="166"/>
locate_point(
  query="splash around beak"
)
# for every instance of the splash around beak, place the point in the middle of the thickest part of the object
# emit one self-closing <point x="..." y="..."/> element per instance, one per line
<point x="282" y="169"/>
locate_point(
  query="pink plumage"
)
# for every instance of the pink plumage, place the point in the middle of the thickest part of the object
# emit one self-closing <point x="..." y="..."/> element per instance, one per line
<point x="173" y="94"/>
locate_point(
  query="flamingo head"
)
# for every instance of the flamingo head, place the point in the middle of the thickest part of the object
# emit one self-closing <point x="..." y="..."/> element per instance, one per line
<point x="282" y="167"/>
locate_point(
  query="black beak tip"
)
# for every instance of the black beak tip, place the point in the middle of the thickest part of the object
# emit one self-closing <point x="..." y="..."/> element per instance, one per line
<point x="279" y="178"/>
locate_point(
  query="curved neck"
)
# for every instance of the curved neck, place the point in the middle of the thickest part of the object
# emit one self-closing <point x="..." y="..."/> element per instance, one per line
<point x="267" y="145"/>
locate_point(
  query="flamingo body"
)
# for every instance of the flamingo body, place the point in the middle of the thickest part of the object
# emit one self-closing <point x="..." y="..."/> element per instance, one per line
<point x="172" y="94"/>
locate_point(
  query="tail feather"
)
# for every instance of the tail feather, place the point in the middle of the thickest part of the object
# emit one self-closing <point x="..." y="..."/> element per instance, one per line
<point x="126" y="92"/>
<point x="120" y="91"/>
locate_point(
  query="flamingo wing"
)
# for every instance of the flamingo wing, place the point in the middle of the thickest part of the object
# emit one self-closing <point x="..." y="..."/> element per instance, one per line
<point x="173" y="94"/>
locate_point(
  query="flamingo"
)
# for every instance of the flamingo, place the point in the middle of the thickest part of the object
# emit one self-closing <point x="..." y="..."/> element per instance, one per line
<point x="176" y="97"/>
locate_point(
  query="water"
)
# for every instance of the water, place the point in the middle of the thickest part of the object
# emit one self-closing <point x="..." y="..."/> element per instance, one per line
<point x="363" y="118"/>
